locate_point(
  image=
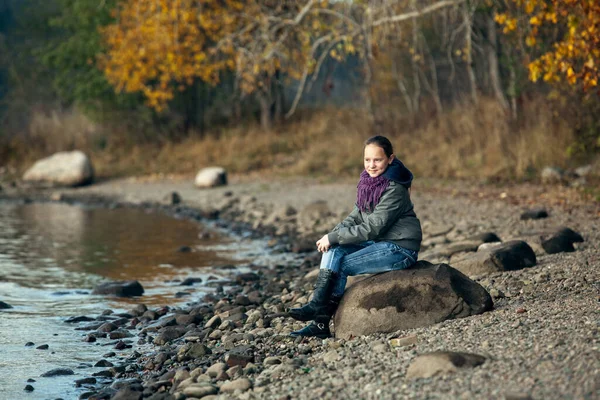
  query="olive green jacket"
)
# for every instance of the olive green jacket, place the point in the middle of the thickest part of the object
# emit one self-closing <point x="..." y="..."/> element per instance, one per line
<point x="392" y="220"/>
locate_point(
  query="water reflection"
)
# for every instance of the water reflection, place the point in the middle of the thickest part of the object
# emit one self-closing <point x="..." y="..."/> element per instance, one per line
<point x="57" y="244"/>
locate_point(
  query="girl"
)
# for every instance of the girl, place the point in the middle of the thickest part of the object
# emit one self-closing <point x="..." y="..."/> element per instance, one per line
<point x="382" y="233"/>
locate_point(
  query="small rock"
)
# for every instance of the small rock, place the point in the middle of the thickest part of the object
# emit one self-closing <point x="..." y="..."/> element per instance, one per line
<point x="552" y="175"/>
<point x="403" y="341"/>
<point x="211" y="177"/>
<point x="241" y="384"/>
<point x="58" y="372"/>
<point x="103" y="363"/>
<point x="216" y="369"/>
<point x="172" y="198"/>
<point x="272" y="361"/>
<point x="29" y="388"/>
<point x="441" y="363"/>
<point x="331" y="356"/>
<point x="190" y="281"/>
<point x="534" y="213"/>
<point x="197" y="390"/>
<point x="81" y="318"/>
<point x="43" y="347"/>
<point x="85" y="381"/>
<point x="120" y="289"/>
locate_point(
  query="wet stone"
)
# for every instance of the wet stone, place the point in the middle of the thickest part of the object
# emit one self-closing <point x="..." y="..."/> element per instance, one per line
<point x="58" y="372"/>
<point x="103" y="363"/>
<point x="5" y="306"/>
<point x="42" y="347"/>
<point x="81" y="318"/>
<point x="85" y="381"/>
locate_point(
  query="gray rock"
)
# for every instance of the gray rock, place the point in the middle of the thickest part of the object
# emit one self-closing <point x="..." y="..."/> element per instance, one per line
<point x="192" y="351"/>
<point x="441" y="363"/>
<point x="420" y="296"/>
<point x="64" y="168"/>
<point x="241" y="384"/>
<point x="199" y="390"/>
<point x="403" y="341"/>
<point x="190" y="281"/>
<point x="107" y="327"/>
<point x="216" y="369"/>
<point x="120" y="289"/>
<point x="58" y="372"/>
<point x="509" y="256"/>
<point x="214" y="322"/>
<point x="168" y="334"/>
<point x="552" y="175"/>
<point x="211" y="177"/>
<point x="561" y="241"/>
<point x="128" y="393"/>
<point x="241" y="355"/>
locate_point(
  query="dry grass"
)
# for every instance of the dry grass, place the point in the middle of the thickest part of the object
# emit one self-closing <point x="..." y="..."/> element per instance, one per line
<point x="465" y="142"/>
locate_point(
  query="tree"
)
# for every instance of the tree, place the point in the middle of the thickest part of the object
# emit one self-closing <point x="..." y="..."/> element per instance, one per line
<point x="574" y="29"/>
<point x="158" y="46"/>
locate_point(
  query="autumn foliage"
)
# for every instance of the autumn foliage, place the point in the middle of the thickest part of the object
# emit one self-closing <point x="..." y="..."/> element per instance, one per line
<point x="160" y="46"/>
<point x="574" y="55"/>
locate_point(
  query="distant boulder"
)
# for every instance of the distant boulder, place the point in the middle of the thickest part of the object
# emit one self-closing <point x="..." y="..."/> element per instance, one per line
<point x="120" y="289"/>
<point x="211" y="177"/>
<point x="508" y="256"/>
<point x="560" y="240"/>
<point x="552" y="175"/>
<point x="71" y="168"/>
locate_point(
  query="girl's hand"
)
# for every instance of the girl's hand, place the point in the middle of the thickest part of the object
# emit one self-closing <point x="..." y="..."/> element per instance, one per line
<point x="323" y="244"/>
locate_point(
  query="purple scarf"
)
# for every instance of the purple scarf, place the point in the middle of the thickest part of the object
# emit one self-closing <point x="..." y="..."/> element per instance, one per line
<point x="370" y="191"/>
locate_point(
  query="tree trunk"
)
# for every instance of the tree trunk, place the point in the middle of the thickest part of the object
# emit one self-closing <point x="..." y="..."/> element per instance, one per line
<point x="415" y="68"/>
<point x="493" y="63"/>
<point x="264" y="100"/>
<point x="279" y="97"/>
<point x="469" y="55"/>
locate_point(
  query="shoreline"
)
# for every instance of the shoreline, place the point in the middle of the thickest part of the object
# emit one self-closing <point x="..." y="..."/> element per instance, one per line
<point x="251" y="319"/>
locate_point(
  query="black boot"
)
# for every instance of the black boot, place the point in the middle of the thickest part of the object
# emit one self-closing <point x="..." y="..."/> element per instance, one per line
<point x="320" y="327"/>
<point x="319" y="306"/>
<point x="315" y="329"/>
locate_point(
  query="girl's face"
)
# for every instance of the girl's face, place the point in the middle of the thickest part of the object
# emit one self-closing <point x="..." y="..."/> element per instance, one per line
<point x="376" y="161"/>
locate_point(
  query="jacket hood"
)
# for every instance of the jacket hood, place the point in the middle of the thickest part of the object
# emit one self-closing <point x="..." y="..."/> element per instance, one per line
<point x="398" y="173"/>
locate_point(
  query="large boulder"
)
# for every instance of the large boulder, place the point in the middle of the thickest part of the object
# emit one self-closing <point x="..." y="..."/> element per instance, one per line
<point x="211" y="177"/>
<point x="120" y="289"/>
<point x="420" y="296"/>
<point x="68" y="168"/>
<point x="508" y="256"/>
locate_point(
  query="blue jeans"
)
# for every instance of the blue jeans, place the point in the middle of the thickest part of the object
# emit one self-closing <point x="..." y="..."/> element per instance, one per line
<point x="365" y="258"/>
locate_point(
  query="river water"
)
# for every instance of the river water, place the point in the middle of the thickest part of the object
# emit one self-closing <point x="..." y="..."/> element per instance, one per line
<point x="52" y="255"/>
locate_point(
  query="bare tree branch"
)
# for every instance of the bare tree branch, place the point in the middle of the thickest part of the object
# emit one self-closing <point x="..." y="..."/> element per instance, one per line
<point x="418" y="13"/>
